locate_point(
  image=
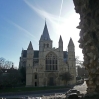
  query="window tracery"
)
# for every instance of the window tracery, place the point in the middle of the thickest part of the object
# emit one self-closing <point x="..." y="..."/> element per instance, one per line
<point x="51" y="61"/>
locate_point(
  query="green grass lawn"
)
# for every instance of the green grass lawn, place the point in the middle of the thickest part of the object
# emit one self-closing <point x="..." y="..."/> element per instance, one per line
<point x="24" y="89"/>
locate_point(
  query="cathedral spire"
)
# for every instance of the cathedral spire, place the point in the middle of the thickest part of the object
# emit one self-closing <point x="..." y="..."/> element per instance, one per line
<point x="71" y="42"/>
<point x="30" y="47"/>
<point x="45" y="35"/>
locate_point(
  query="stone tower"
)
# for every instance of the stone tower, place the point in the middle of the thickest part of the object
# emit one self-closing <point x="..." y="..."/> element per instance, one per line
<point x="71" y="59"/>
<point x="44" y="43"/>
<point x="29" y="65"/>
<point x="61" y="47"/>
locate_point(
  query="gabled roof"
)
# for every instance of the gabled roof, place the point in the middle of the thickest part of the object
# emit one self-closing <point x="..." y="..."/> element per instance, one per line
<point x="45" y="35"/>
<point x="65" y="54"/>
<point x="36" y="53"/>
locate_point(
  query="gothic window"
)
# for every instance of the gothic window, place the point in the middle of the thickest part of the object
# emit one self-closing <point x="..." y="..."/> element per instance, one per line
<point x="44" y="45"/>
<point x="35" y="83"/>
<point x="47" y="45"/>
<point x="51" y="62"/>
<point x="35" y="61"/>
<point x="35" y="76"/>
<point x="24" y="64"/>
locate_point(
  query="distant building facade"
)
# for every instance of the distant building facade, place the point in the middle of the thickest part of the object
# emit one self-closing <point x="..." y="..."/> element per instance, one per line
<point x="44" y="66"/>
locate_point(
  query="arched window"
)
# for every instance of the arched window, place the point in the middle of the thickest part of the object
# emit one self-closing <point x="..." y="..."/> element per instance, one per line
<point x="44" y="45"/>
<point x="47" y="45"/>
<point x="35" y="76"/>
<point x="51" y="61"/>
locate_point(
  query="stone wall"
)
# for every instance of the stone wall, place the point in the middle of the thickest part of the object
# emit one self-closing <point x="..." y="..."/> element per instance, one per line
<point x="89" y="39"/>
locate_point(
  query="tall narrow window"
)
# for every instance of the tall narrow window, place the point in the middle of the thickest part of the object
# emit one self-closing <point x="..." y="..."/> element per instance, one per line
<point x="35" y="83"/>
<point x="35" y="76"/>
<point x="44" y="45"/>
<point x="47" y="45"/>
<point x="51" y="61"/>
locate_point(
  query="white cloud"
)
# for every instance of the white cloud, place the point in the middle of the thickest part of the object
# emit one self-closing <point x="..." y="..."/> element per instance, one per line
<point x="44" y="14"/>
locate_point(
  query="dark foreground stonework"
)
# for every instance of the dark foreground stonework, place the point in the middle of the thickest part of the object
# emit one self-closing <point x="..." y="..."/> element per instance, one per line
<point x="89" y="40"/>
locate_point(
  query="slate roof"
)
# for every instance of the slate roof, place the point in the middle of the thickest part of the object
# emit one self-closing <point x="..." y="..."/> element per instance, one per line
<point x="65" y="53"/>
<point x="9" y="70"/>
<point x="24" y="53"/>
<point x="36" y="54"/>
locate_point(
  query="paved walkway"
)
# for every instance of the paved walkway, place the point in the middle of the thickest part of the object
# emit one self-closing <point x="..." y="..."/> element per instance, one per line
<point x="55" y="96"/>
<point x="34" y="94"/>
<point x="49" y="94"/>
<point x="82" y="88"/>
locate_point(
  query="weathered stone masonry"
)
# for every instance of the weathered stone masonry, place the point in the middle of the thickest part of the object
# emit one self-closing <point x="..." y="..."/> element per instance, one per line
<point x="89" y="39"/>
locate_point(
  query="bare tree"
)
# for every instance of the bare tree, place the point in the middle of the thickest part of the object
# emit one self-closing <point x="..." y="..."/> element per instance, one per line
<point x="78" y="62"/>
<point x="4" y="64"/>
<point x="2" y="61"/>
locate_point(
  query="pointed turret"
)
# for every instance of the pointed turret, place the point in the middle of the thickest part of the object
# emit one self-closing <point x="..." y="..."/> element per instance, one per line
<point x="71" y="46"/>
<point x="30" y="47"/>
<point x="45" y="35"/>
<point x="29" y="64"/>
<point x="71" y="42"/>
<point x="60" y="39"/>
<point x="60" y="43"/>
<point x="71" y="60"/>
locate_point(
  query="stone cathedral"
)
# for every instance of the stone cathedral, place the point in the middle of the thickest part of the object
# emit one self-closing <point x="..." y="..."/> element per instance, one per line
<point x="44" y="66"/>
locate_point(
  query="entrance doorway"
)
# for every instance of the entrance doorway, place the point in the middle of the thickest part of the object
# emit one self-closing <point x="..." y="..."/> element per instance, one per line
<point x="51" y="81"/>
<point x="35" y="83"/>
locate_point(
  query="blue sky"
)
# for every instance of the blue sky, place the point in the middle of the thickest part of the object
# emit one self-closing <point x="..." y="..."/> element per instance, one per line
<point x="22" y="21"/>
